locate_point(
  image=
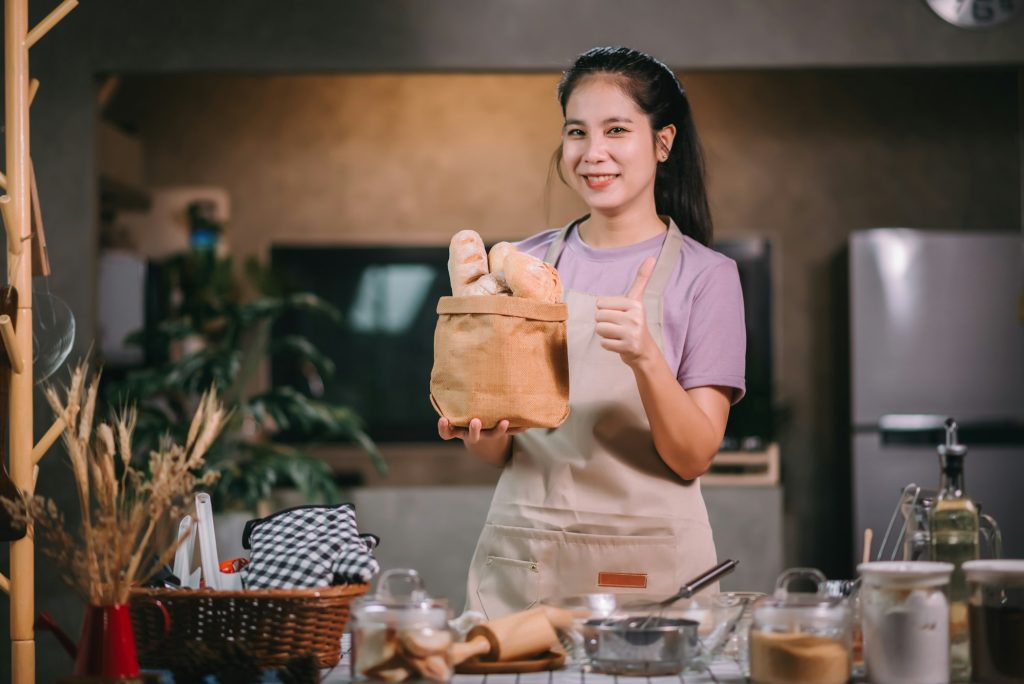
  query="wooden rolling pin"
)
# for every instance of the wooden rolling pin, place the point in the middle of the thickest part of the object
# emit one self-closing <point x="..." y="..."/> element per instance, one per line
<point x="513" y="637"/>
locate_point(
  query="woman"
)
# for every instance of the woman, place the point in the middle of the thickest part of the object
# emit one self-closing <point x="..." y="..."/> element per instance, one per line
<point x="610" y="500"/>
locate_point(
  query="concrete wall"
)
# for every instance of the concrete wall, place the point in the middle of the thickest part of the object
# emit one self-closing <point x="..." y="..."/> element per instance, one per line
<point x="801" y="157"/>
<point x="118" y="36"/>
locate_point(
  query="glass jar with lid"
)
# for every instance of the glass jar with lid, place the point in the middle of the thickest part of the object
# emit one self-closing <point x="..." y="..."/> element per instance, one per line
<point x="800" y="637"/>
<point x="400" y="632"/>
<point x="906" y="621"/>
<point x="996" y="617"/>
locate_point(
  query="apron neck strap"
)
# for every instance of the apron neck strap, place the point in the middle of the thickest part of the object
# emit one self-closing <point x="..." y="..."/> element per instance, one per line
<point x="555" y="248"/>
<point x="671" y="250"/>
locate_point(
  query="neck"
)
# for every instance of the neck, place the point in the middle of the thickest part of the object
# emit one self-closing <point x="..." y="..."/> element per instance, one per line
<point x="606" y="230"/>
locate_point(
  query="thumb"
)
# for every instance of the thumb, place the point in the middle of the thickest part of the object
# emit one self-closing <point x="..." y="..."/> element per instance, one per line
<point x="643" y="274"/>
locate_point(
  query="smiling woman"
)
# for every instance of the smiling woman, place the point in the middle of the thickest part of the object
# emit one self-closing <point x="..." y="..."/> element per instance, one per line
<point x="610" y="500"/>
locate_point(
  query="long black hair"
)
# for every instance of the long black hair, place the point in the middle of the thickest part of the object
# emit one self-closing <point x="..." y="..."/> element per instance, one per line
<point x="679" y="188"/>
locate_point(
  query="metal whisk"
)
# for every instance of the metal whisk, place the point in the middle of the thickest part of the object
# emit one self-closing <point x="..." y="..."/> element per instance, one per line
<point x="685" y="591"/>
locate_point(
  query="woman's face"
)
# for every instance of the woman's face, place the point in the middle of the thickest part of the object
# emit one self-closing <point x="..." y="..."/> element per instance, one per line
<point x="608" y="150"/>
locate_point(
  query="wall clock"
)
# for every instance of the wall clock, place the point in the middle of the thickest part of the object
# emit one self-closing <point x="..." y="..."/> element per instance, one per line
<point x="975" y="13"/>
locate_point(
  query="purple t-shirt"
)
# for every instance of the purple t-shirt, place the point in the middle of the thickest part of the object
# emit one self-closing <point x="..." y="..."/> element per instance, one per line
<point x="705" y="335"/>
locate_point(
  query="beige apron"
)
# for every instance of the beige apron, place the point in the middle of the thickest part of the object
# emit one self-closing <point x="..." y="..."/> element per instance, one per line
<point x="590" y="506"/>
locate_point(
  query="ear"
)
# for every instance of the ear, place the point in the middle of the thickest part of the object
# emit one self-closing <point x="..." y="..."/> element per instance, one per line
<point x="664" y="139"/>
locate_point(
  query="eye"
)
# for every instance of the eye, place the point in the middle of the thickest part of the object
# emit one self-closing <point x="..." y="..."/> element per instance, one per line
<point x="574" y="132"/>
<point x="617" y="130"/>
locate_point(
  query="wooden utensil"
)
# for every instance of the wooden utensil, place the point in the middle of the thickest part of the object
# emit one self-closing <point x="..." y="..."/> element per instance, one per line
<point x="540" y="663"/>
<point x="9" y="529"/>
<point x="513" y="637"/>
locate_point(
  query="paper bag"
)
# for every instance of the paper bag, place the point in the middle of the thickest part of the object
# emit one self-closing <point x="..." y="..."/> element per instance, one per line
<point x="499" y="357"/>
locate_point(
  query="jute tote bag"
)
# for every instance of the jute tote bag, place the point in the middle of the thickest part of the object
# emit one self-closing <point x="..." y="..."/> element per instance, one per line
<point x="498" y="357"/>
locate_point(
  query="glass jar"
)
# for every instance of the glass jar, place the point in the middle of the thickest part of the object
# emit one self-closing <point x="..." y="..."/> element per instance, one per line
<point x="906" y="621"/>
<point x="996" y="617"/>
<point x="800" y="637"/>
<point x="400" y="632"/>
<point x="737" y="646"/>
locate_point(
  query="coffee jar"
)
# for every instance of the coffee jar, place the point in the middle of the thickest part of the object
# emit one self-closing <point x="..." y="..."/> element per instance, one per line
<point x="906" y="621"/>
<point x="800" y="637"/>
<point x="996" y="617"/>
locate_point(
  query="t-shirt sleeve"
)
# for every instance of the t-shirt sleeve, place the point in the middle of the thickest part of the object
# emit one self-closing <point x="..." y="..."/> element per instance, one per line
<point x="714" y="351"/>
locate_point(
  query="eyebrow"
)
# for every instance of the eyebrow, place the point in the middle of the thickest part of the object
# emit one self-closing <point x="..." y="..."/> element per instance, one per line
<point x="613" y="119"/>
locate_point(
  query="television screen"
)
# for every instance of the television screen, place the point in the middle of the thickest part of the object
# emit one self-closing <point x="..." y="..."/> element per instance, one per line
<point x="383" y="350"/>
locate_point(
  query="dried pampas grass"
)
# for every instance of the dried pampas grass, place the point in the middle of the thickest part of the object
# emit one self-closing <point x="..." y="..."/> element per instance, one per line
<point x="124" y="512"/>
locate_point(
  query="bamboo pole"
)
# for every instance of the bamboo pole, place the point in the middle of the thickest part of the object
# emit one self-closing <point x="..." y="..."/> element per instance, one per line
<point x="13" y="242"/>
<point x="19" y="272"/>
<point x="44" y="444"/>
<point x="40" y="29"/>
<point x="10" y="343"/>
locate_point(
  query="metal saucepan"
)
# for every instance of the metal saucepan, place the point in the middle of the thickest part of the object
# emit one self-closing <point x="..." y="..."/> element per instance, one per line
<point x="619" y="634"/>
<point x="662" y="646"/>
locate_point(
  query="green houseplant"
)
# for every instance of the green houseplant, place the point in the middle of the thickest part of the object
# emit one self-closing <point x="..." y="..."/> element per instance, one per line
<point x="216" y="330"/>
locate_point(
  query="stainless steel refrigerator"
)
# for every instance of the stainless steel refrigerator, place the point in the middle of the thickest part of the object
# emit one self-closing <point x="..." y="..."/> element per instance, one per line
<point x="937" y="330"/>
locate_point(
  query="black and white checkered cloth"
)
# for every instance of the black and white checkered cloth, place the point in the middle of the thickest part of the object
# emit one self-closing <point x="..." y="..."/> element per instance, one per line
<point x="308" y="546"/>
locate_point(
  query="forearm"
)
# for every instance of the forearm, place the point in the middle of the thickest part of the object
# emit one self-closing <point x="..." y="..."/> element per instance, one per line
<point x="684" y="436"/>
<point x="494" y="451"/>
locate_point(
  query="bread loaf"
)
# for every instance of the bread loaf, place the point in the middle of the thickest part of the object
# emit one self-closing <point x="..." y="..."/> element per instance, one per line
<point x="496" y="257"/>
<point x="467" y="261"/>
<point x="489" y="284"/>
<point x="529" y="277"/>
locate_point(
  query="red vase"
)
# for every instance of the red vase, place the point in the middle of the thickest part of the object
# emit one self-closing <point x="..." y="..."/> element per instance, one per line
<point x="106" y="647"/>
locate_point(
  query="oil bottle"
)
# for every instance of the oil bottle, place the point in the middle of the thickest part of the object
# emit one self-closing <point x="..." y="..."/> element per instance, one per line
<point x="953" y="529"/>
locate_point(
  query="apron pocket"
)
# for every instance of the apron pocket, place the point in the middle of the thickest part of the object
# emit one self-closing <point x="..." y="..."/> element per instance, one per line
<point x="507" y="585"/>
<point x="614" y="563"/>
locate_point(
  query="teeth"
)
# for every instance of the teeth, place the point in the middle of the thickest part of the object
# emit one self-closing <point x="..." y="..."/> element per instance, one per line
<point x="599" y="179"/>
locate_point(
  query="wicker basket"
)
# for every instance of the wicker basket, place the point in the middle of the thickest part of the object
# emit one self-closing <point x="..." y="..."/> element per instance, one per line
<point x="273" y="625"/>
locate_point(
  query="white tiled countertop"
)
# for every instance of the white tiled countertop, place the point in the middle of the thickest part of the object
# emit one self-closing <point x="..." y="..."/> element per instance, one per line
<point x="722" y="671"/>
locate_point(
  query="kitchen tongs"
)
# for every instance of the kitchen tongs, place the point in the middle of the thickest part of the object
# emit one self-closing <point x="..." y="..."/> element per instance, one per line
<point x="685" y="591"/>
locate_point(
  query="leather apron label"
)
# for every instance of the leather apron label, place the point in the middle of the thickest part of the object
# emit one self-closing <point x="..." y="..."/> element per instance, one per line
<point x="622" y="580"/>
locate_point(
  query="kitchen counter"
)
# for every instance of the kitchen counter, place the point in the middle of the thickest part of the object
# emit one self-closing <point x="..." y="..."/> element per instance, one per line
<point x="722" y="671"/>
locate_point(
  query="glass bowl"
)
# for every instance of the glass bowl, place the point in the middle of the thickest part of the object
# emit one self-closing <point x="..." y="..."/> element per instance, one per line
<point x="602" y="623"/>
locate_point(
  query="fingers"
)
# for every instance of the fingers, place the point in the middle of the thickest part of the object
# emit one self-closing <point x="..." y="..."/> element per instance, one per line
<point x="611" y="345"/>
<point x="614" y="316"/>
<point x="610" y="331"/>
<point x="475" y="432"/>
<point x="618" y="304"/>
<point x="643" y="274"/>
<point x="448" y="431"/>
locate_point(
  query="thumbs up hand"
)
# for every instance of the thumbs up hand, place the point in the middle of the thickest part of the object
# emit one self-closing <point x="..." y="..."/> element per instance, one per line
<point x="621" y="322"/>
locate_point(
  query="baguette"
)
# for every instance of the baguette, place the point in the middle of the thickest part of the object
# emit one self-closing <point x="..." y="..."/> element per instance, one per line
<point x="489" y="284"/>
<point x="467" y="261"/>
<point x="496" y="258"/>
<point x="529" y="277"/>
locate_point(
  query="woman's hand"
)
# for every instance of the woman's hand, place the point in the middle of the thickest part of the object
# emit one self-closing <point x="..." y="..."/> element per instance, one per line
<point x="621" y="322"/>
<point x="490" y="445"/>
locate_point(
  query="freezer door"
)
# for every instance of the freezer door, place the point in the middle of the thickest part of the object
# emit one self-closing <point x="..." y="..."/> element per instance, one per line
<point x="935" y="325"/>
<point x="994" y="477"/>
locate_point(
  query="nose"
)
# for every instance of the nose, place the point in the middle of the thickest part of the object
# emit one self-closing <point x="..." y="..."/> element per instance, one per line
<point x="596" y="150"/>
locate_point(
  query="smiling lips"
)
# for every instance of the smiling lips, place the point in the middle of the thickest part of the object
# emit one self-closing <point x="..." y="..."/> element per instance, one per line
<point x="596" y="182"/>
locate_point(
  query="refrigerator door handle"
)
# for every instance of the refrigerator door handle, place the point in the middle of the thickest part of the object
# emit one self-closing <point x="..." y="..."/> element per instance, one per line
<point x="911" y="422"/>
<point x="916" y="429"/>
